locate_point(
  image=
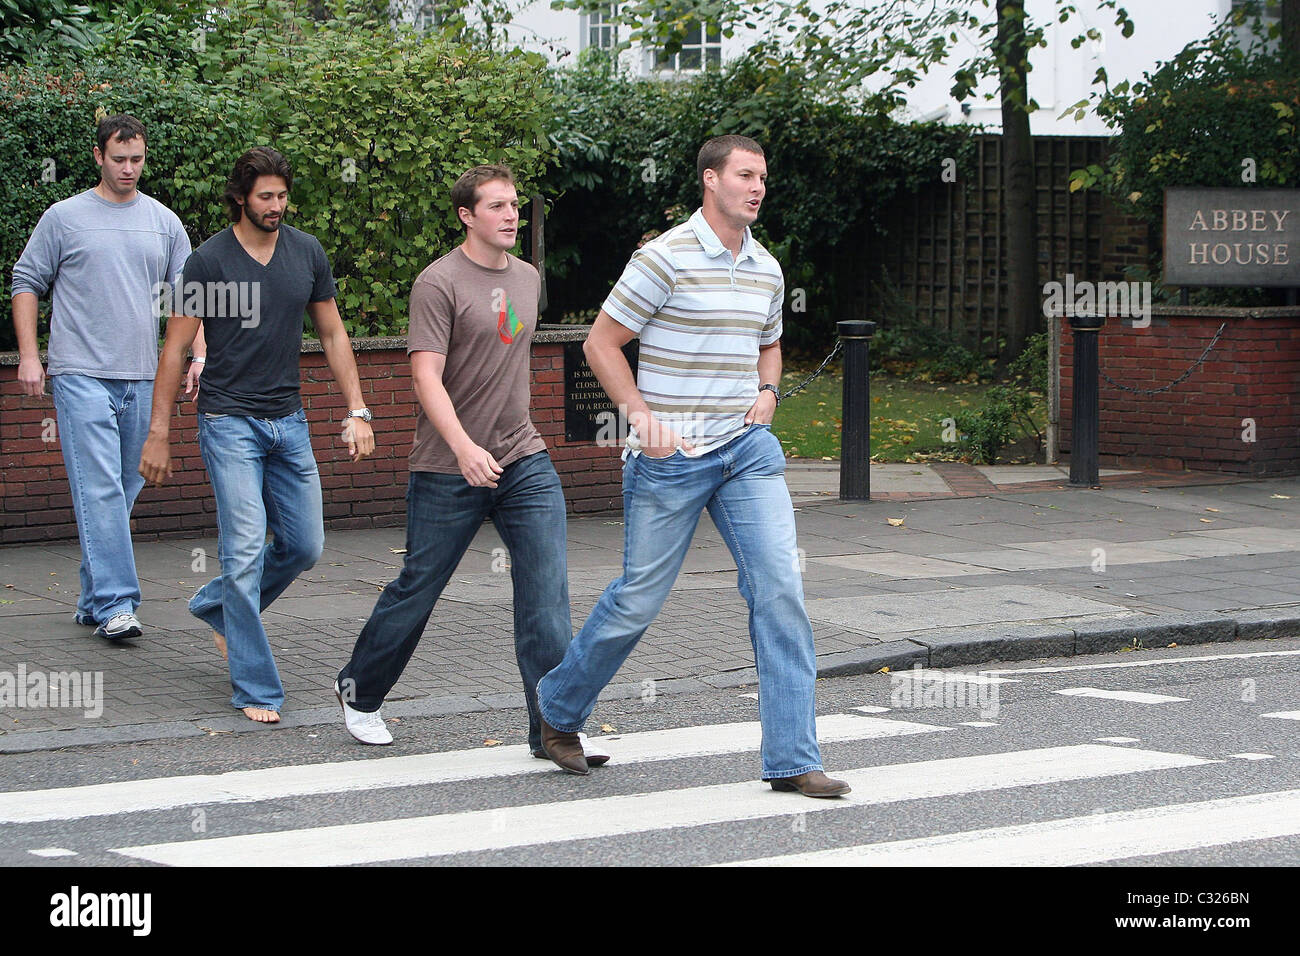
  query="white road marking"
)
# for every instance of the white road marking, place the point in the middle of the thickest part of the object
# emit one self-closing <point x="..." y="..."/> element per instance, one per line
<point x="1132" y="696"/>
<point x="52" y="851"/>
<point x="1095" y="838"/>
<point x="951" y="677"/>
<point x="246" y="786"/>
<point x="1117" y="740"/>
<point x="871" y="709"/>
<point x="1284" y="714"/>
<point x="603" y="817"/>
<point x="1252" y="756"/>
<point x="977" y="723"/>
<point x="1160" y="663"/>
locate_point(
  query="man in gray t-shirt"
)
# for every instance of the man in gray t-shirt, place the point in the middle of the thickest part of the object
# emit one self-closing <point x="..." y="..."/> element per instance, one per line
<point x="102" y="255"/>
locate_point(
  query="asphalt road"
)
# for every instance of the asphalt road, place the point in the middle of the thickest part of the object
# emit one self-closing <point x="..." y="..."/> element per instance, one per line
<point x="1072" y="772"/>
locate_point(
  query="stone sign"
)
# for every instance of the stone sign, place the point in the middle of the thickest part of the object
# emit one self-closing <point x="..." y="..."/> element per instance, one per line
<point x="588" y="412"/>
<point x="1232" y="237"/>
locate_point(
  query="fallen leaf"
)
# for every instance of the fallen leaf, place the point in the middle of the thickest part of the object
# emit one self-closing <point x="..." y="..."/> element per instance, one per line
<point x="490" y="742"/>
<point x="883" y="670"/>
<point x="397" y="550"/>
<point x="1212" y="509"/>
<point x="1206" y="520"/>
<point x="895" y="522"/>
<point x="1286" y="497"/>
<point x="607" y="729"/>
<point x="1172" y="645"/>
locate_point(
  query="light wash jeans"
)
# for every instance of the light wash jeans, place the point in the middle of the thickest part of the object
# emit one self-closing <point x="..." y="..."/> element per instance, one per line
<point x="742" y="485"/>
<point x="265" y="479"/>
<point x="102" y="425"/>
<point x="443" y="513"/>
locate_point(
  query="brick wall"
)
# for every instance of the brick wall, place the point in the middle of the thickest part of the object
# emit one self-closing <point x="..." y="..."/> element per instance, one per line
<point x="1252" y="373"/>
<point x="368" y="494"/>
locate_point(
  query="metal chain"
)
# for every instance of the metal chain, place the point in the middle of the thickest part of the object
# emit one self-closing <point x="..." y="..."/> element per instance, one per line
<point x="820" y="368"/>
<point x="1179" y="380"/>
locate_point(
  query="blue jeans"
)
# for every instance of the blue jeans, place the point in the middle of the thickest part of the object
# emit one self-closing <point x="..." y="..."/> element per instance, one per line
<point x="265" y="479"/>
<point x="443" y="513"/>
<point x="742" y="485"/>
<point x="102" y="427"/>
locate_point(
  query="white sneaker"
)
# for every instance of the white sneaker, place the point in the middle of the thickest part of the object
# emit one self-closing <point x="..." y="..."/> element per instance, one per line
<point x="119" y="627"/>
<point x="367" y="728"/>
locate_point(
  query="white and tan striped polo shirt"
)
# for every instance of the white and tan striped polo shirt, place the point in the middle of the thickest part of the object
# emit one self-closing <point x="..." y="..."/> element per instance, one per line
<point x="701" y="318"/>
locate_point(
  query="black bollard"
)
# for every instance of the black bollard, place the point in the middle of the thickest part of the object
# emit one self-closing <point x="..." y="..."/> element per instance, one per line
<point x="855" y="434"/>
<point x="1084" y="471"/>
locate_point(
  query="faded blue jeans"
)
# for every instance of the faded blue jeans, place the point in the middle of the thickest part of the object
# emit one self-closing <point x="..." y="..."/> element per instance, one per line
<point x="265" y="479"/>
<point x="443" y="513"/>
<point x="102" y="425"/>
<point x="742" y="485"/>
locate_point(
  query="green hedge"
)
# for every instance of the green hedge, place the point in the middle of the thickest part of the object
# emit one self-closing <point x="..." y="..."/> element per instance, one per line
<point x="377" y="124"/>
<point x="627" y="170"/>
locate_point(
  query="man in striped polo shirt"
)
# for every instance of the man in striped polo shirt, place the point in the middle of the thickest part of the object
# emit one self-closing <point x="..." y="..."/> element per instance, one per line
<point x="705" y="298"/>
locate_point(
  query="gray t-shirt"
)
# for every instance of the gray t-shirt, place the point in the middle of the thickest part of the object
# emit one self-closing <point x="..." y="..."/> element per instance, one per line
<point x="105" y="262"/>
<point x="483" y="320"/>
<point x="252" y="320"/>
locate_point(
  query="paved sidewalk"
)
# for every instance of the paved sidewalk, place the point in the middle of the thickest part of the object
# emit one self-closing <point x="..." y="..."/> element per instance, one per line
<point x="1002" y="563"/>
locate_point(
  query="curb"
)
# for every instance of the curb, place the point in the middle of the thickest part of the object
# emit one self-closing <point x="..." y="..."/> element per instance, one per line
<point x="949" y="647"/>
<point x="936" y="648"/>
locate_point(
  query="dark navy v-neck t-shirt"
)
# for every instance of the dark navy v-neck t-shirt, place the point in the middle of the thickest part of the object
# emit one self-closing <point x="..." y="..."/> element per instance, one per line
<point x="252" y="320"/>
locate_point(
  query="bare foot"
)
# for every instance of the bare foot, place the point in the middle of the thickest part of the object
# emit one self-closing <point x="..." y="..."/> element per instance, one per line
<point x="262" y="715"/>
<point x="220" y="641"/>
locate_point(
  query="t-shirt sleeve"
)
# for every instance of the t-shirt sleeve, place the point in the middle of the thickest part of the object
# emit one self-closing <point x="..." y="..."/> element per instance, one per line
<point x="772" y="328"/>
<point x="643" y="288"/>
<point x="180" y="252"/>
<point x="324" y="287"/>
<point x="431" y="318"/>
<point x="36" y="268"/>
<point x="195" y="276"/>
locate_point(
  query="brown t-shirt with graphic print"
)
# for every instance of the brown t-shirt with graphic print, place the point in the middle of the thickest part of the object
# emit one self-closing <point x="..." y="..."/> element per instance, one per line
<point x="483" y="320"/>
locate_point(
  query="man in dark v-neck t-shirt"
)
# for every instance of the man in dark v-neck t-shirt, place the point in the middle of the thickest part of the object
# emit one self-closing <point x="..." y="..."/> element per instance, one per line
<point x="250" y="286"/>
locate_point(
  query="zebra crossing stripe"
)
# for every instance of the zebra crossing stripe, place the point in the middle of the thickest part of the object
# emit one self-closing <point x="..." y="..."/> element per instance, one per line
<point x="603" y="817"/>
<point x="246" y="786"/>
<point x="1096" y="838"/>
<point x="1132" y="696"/>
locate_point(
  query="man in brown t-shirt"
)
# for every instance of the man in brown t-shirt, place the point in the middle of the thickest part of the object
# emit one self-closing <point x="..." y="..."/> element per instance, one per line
<point x="476" y="454"/>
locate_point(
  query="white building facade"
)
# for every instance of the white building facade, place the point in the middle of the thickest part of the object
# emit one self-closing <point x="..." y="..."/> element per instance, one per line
<point x="1061" y="75"/>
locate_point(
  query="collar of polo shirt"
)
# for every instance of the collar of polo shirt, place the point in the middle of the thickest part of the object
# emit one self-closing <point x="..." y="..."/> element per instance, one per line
<point x="713" y="246"/>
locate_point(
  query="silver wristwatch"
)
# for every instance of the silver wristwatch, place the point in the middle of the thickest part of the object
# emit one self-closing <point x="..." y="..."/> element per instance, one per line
<point x="361" y="413"/>
<point x="773" y="389"/>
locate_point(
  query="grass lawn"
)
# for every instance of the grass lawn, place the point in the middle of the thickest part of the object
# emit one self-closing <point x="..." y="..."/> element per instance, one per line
<point x="906" y="416"/>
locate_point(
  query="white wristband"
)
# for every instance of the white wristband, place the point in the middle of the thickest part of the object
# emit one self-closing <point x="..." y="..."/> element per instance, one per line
<point x="199" y="360"/>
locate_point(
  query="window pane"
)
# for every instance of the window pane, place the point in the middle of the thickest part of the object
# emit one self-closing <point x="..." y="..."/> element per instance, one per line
<point x="690" y="59"/>
<point x="713" y="56"/>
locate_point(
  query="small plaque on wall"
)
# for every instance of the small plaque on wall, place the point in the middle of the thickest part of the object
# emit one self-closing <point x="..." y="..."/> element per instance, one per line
<point x="588" y="412"/>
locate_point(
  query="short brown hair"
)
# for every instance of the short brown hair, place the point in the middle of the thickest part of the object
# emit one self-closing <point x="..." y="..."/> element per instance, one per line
<point x="258" y="161"/>
<point x="121" y="128"/>
<point x="464" y="195"/>
<point x="714" y="153"/>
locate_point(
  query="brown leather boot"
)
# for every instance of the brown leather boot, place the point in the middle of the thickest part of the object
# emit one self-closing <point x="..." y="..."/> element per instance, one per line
<point x="564" y="749"/>
<point x="814" y="783"/>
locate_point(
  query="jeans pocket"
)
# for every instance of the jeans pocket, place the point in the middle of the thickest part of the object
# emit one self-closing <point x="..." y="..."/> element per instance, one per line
<point x="646" y="457"/>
